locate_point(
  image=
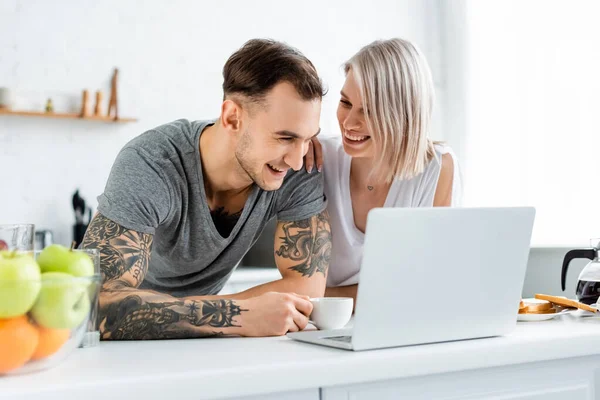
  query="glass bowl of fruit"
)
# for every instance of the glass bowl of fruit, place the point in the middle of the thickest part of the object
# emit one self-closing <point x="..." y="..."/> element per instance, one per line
<point x="47" y="304"/>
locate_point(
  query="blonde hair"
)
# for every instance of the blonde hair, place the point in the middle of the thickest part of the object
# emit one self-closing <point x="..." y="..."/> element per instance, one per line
<point x="397" y="91"/>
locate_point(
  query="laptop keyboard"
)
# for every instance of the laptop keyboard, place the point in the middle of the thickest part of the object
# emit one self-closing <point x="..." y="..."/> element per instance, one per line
<point x="345" y="339"/>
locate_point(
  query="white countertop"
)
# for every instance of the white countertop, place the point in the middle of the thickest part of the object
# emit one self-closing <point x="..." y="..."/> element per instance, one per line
<point x="248" y="274"/>
<point x="219" y="368"/>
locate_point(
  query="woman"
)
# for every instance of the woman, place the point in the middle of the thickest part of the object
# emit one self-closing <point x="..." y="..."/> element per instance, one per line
<point x="384" y="157"/>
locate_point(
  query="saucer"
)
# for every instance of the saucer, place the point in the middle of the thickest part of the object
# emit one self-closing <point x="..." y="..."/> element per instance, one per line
<point x="541" y="317"/>
<point x="583" y="313"/>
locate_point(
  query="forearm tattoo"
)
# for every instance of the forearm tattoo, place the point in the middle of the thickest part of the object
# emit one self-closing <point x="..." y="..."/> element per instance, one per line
<point x="127" y="313"/>
<point x="308" y="244"/>
<point x="134" y="318"/>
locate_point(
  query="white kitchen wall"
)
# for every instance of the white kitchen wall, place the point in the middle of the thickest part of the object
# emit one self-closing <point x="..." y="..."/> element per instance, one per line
<point x="170" y="56"/>
<point x="544" y="270"/>
<point x="531" y="104"/>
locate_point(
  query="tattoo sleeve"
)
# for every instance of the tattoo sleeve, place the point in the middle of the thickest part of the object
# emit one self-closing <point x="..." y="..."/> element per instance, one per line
<point x="126" y="312"/>
<point x="124" y="253"/>
<point x="306" y="245"/>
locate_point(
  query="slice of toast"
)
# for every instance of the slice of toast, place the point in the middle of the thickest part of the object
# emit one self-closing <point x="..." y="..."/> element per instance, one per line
<point x="550" y="311"/>
<point x="536" y="305"/>
<point x="561" y="301"/>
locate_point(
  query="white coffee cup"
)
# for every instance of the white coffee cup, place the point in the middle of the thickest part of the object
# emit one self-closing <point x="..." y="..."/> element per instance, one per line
<point x="331" y="312"/>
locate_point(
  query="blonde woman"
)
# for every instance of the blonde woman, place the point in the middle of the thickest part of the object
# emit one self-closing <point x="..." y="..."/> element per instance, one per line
<point x="384" y="157"/>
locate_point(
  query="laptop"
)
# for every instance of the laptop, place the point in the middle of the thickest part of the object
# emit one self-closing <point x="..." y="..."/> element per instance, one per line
<point x="436" y="274"/>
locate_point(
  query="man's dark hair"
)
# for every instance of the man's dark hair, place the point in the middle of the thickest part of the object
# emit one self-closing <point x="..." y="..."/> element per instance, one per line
<point x="260" y="64"/>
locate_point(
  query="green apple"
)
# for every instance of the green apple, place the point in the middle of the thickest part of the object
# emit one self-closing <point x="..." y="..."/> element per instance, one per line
<point x="19" y="283"/>
<point x="57" y="258"/>
<point x="63" y="302"/>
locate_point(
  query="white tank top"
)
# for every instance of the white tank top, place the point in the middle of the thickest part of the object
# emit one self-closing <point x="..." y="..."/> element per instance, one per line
<point x="347" y="239"/>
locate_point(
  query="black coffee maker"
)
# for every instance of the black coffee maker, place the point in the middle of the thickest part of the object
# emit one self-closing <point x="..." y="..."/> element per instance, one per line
<point x="588" y="286"/>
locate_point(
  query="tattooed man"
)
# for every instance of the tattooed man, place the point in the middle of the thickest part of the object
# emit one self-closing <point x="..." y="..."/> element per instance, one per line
<point x="185" y="201"/>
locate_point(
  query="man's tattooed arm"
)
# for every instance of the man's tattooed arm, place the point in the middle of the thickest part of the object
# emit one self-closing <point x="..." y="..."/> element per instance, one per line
<point x="126" y="312"/>
<point x="305" y="244"/>
<point x="302" y="254"/>
<point x="124" y="253"/>
<point x="149" y="315"/>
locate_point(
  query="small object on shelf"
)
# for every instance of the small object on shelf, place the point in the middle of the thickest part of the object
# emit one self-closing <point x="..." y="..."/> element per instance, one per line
<point x="112" y="103"/>
<point x="98" y="107"/>
<point x="85" y="104"/>
<point x="49" y="106"/>
<point x="84" y="113"/>
<point x="5" y="98"/>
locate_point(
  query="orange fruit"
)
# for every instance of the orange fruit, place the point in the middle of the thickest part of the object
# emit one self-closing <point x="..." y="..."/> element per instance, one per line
<point x="51" y="340"/>
<point x="18" y="340"/>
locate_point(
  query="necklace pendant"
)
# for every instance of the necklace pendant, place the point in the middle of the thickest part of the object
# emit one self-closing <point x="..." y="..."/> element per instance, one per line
<point x="370" y="187"/>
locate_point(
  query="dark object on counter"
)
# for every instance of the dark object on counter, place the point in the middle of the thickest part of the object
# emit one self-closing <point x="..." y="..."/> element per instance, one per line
<point x="78" y="233"/>
<point x="588" y="285"/>
<point x="80" y="209"/>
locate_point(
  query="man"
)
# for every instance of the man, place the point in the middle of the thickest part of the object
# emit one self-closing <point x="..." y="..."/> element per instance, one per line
<point x="185" y="201"/>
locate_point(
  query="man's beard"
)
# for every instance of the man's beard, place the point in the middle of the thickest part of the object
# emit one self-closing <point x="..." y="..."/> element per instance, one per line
<point x="245" y="162"/>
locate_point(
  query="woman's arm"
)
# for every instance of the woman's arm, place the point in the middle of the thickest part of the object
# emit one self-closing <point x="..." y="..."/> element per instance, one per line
<point x="443" y="192"/>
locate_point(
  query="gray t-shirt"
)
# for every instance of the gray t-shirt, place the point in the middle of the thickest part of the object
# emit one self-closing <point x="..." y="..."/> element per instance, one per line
<point x="156" y="186"/>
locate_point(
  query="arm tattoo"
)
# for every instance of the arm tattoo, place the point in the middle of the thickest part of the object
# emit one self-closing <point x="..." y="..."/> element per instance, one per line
<point x="216" y="313"/>
<point x="135" y="318"/>
<point x="129" y="313"/>
<point x="121" y="250"/>
<point x="307" y="243"/>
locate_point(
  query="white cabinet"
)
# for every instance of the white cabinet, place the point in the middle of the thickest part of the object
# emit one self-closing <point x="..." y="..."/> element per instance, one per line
<point x="381" y="393"/>
<point x="569" y="379"/>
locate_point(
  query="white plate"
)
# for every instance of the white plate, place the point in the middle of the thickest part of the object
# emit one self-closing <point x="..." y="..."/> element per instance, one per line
<point x="582" y="313"/>
<point x="541" y="317"/>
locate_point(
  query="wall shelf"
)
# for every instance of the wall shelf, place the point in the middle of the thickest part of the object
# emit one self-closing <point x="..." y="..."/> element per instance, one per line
<point x="100" y="118"/>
